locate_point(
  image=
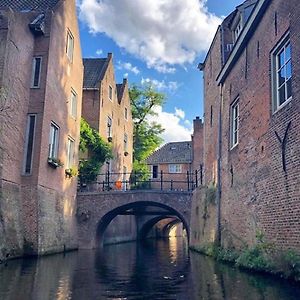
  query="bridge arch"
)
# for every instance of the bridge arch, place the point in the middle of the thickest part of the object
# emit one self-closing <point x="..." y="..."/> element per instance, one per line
<point x="96" y="210"/>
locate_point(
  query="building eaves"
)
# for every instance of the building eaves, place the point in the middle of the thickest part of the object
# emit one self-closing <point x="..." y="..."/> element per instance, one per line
<point x="243" y="39"/>
<point x="29" y="5"/>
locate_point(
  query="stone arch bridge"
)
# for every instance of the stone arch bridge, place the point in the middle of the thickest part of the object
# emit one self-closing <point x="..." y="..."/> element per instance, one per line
<point x="96" y="210"/>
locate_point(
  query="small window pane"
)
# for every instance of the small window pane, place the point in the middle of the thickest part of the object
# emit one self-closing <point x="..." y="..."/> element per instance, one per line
<point x="281" y="76"/>
<point x="53" y="141"/>
<point x="281" y="59"/>
<point x="288" y="52"/>
<point x="288" y="70"/>
<point x="36" y="71"/>
<point x="73" y="104"/>
<point x="70" y="153"/>
<point x="282" y="95"/>
<point x="70" y="46"/>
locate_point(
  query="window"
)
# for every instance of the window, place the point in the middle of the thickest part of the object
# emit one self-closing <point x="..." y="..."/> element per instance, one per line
<point x="109" y="127"/>
<point x="73" y="104"/>
<point x="36" y="72"/>
<point x="234" y="123"/>
<point x="70" y="46"/>
<point x="126" y="113"/>
<point x="125" y="142"/>
<point x="53" y="141"/>
<point x="174" y="168"/>
<point x="29" y="143"/>
<point x="110" y="93"/>
<point x="282" y="74"/>
<point x="70" y="153"/>
<point x="154" y="172"/>
<point x="237" y="30"/>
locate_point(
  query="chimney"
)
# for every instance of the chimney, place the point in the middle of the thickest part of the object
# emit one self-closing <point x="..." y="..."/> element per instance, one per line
<point x="197" y="124"/>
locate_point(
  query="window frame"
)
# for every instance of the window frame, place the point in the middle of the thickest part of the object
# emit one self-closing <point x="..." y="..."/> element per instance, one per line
<point x="126" y="113"/>
<point x="154" y="173"/>
<point x="275" y="54"/>
<point x="234" y="126"/>
<point x="110" y="93"/>
<point x="125" y="142"/>
<point x="70" y="152"/>
<point x="33" y="86"/>
<point x="109" y="126"/>
<point x="26" y="147"/>
<point x="176" y="170"/>
<point x="56" y="141"/>
<point x="73" y="109"/>
<point x="70" y="50"/>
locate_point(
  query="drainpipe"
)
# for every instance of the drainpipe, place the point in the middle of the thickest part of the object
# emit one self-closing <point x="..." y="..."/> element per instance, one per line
<point x="219" y="175"/>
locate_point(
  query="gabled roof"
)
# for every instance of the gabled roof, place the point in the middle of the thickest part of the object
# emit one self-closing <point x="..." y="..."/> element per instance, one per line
<point x="28" y="5"/>
<point x="175" y="152"/>
<point x="94" y="70"/>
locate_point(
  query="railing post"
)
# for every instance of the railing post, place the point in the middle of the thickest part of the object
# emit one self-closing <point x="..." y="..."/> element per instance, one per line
<point x="103" y="185"/>
<point x="188" y="180"/>
<point x="161" y="180"/>
<point x="108" y="179"/>
<point x="171" y="184"/>
<point x="196" y="178"/>
<point x="201" y="174"/>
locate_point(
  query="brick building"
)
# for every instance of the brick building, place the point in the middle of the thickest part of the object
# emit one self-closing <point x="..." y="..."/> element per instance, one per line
<point x="106" y="107"/>
<point x="176" y="163"/>
<point x="41" y="88"/>
<point x="252" y="128"/>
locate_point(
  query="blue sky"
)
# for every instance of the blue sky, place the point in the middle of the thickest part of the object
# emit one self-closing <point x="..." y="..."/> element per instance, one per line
<point x="161" y="43"/>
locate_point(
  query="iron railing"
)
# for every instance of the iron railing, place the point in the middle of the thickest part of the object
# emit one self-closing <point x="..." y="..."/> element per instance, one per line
<point x="111" y="181"/>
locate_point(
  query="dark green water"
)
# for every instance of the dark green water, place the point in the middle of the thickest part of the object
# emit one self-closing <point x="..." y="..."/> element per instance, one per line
<point x="152" y="270"/>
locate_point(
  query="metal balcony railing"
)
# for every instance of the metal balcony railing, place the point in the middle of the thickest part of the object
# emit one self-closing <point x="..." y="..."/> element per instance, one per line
<point x="163" y="181"/>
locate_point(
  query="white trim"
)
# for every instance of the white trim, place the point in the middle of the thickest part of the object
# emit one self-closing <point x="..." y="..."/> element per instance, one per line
<point x="56" y="141"/>
<point x="70" y="51"/>
<point x="232" y="129"/>
<point x="70" y="162"/>
<point x="73" y="93"/>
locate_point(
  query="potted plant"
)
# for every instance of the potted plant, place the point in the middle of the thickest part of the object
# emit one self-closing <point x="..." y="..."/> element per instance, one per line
<point x="71" y="172"/>
<point x="55" y="162"/>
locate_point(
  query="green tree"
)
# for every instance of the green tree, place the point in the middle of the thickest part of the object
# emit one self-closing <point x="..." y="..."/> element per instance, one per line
<point x="98" y="152"/>
<point x="146" y="134"/>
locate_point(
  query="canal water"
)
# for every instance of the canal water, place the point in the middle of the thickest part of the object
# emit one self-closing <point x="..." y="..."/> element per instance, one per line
<point x="155" y="269"/>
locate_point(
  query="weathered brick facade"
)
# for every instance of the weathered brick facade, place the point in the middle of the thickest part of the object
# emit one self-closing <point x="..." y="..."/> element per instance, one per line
<point x="255" y="192"/>
<point x="97" y="107"/>
<point x="37" y="210"/>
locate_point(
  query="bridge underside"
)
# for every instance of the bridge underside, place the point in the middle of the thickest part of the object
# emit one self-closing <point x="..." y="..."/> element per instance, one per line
<point x="131" y="214"/>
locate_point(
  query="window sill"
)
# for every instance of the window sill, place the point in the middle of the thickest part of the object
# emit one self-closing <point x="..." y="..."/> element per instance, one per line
<point x="233" y="147"/>
<point x="282" y="105"/>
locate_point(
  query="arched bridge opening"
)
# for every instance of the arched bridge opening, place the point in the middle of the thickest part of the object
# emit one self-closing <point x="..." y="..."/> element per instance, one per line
<point x="101" y="216"/>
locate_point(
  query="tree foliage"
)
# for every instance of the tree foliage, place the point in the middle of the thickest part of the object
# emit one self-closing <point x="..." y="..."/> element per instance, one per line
<point x="146" y="134"/>
<point x="98" y="152"/>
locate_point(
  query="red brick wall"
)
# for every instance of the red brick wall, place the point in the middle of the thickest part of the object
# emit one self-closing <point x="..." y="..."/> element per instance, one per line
<point x="259" y="195"/>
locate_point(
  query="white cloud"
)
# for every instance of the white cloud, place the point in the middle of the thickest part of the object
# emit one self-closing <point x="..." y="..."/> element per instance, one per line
<point x="174" y="131"/>
<point x="128" y="66"/>
<point x="179" y="113"/>
<point x="162" y="33"/>
<point x="170" y="86"/>
<point x="125" y="75"/>
<point x="99" y="52"/>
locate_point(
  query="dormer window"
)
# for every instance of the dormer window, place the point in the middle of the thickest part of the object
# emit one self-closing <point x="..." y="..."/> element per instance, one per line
<point x="237" y="29"/>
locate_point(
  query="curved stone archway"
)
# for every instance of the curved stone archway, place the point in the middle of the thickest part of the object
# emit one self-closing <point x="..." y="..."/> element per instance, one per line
<point x="96" y="210"/>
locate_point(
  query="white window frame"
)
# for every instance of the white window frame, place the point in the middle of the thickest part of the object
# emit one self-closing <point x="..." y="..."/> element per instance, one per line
<point x="73" y="104"/>
<point x="175" y="168"/>
<point x="34" y="70"/>
<point x="70" y="46"/>
<point x="109" y="126"/>
<point x="234" y="123"/>
<point x="126" y="113"/>
<point x="282" y="46"/>
<point x="238" y="29"/>
<point x="70" y="152"/>
<point x="110" y="93"/>
<point x="53" y="141"/>
<point x="28" y="127"/>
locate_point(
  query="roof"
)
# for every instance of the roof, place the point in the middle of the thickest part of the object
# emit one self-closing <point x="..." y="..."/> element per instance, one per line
<point x="120" y="89"/>
<point x="175" y="152"/>
<point x="28" y="5"/>
<point x="94" y="70"/>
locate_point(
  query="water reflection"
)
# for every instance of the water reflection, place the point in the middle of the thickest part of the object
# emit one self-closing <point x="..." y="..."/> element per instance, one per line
<point x="161" y="269"/>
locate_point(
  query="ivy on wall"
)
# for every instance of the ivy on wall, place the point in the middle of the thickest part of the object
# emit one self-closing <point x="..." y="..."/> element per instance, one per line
<point x="98" y="151"/>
